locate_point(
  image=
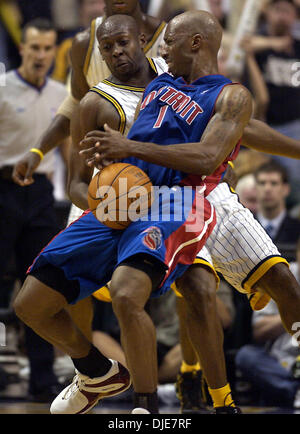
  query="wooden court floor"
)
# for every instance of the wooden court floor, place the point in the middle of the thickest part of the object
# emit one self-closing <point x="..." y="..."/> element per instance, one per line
<point x="11" y="407"/>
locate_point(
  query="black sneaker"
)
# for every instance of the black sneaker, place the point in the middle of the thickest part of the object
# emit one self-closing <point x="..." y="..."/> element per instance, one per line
<point x="189" y="393"/>
<point x="228" y="410"/>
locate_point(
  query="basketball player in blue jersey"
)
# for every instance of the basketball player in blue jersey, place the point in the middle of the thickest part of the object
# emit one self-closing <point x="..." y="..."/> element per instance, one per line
<point x="83" y="258"/>
<point x="168" y="103"/>
<point x="29" y="320"/>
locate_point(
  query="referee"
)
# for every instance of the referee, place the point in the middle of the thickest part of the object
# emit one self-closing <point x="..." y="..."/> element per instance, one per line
<point x="28" y="103"/>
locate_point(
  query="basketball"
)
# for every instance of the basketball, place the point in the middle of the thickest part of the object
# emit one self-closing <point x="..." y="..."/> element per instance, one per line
<point x="119" y="194"/>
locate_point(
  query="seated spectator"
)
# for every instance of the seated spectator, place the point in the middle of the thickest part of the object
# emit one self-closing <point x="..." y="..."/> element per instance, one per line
<point x="272" y="187"/>
<point x="89" y="10"/>
<point x="271" y="363"/>
<point x="278" y="57"/>
<point x="246" y="189"/>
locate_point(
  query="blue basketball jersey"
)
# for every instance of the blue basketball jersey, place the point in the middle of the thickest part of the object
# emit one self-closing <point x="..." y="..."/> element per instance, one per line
<point x="173" y="112"/>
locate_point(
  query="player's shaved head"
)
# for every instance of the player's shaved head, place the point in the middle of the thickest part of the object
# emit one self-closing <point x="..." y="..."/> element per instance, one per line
<point x="117" y="24"/>
<point x="202" y="23"/>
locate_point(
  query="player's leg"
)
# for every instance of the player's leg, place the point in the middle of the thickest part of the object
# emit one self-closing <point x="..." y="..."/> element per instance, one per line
<point x="249" y="260"/>
<point x="189" y="380"/>
<point x="42" y="303"/>
<point x="281" y="285"/>
<point x="82" y="314"/>
<point x="173" y="244"/>
<point x="44" y="310"/>
<point x="198" y="286"/>
<point x="130" y="288"/>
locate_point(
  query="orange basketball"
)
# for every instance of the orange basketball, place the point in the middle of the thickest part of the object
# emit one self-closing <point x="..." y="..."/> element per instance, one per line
<point x="119" y="194"/>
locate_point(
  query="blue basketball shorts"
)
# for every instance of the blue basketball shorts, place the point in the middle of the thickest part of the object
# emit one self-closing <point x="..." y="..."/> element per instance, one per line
<point x="88" y="251"/>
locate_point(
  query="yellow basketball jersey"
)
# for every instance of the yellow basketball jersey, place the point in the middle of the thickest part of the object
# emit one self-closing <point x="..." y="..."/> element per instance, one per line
<point x="96" y="70"/>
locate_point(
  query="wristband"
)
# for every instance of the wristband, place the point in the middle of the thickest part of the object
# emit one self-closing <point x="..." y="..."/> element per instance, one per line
<point x="37" y="151"/>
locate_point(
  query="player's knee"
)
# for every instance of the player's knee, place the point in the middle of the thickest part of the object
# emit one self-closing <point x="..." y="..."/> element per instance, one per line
<point x="277" y="273"/>
<point x="199" y="287"/>
<point x="279" y="281"/>
<point x="129" y="290"/>
<point x="33" y="306"/>
<point x="23" y="308"/>
<point x="125" y="305"/>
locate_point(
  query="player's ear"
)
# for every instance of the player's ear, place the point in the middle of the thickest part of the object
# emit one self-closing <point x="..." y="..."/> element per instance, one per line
<point x="21" y="48"/>
<point x="196" y="41"/>
<point x="143" y="40"/>
<point x="287" y="189"/>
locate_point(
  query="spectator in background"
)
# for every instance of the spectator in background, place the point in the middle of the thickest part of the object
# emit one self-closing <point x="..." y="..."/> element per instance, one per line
<point x="10" y="33"/>
<point x="246" y="189"/>
<point x="278" y="59"/>
<point x="88" y="10"/>
<point x="272" y="362"/>
<point x="272" y="188"/>
<point x="28" y="221"/>
<point x="31" y="9"/>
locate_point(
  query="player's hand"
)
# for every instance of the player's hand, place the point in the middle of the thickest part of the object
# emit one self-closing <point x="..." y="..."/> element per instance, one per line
<point x="102" y="147"/>
<point x="24" y="169"/>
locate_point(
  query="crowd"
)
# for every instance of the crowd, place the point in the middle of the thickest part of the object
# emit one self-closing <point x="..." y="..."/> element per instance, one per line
<point x="257" y="349"/>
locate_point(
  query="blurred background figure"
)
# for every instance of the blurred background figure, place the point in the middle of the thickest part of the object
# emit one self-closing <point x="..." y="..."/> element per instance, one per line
<point x="246" y="189"/>
<point x="272" y="362"/>
<point x="28" y="221"/>
<point x="272" y="190"/>
<point x="87" y="11"/>
<point x="278" y="57"/>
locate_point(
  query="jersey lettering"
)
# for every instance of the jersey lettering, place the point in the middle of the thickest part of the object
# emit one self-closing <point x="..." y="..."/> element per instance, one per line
<point x="179" y="101"/>
<point x="182" y="104"/>
<point x="161" y="116"/>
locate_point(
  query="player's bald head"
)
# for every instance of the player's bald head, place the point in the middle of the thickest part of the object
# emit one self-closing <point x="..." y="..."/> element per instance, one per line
<point x="199" y="22"/>
<point x="117" y="24"/>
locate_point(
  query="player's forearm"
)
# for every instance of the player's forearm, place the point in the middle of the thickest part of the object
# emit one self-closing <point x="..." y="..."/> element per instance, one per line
<point x="77" y="192"/>
<point x="185" y="157"/>
<point x="55" y="135"/>
<point x="259" y="136"/>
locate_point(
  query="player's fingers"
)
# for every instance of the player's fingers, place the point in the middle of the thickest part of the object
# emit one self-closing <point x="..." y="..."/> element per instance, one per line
<point x="87" y="153"/>
<point x="18" y="177"/>
<point x="89" y="143"/>
<point x="95" y="134"/>
<point x="28" y="179"/>
<point x="108" y="129"/>
<point x="93" y="161"/>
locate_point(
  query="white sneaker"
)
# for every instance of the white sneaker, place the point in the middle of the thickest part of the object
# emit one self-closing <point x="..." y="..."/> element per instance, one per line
<point x="139" y="410"/>
<point x="85" y="392"/>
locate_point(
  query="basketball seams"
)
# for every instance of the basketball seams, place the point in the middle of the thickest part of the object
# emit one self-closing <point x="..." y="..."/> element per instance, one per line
<point x="136" y="178"/>
<point x="110" y="185"/>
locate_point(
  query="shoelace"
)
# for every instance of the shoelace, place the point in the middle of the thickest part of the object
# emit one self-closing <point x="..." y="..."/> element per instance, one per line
<point x="74" y="386"/>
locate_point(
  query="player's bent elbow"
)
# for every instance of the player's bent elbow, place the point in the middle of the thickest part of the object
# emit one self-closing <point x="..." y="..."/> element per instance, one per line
<point x="207" y="167"/>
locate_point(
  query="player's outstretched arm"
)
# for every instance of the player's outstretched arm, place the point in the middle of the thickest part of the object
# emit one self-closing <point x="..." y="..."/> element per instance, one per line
<point x="259" y="136"/>
<point x="92" y="113"/>
<point x="79" y="174"/>
<point x="232" y="113"/>
<point x="54" y="136"/>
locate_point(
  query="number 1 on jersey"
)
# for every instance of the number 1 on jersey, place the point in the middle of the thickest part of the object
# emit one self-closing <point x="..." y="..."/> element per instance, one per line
<point x="160" y="117"/>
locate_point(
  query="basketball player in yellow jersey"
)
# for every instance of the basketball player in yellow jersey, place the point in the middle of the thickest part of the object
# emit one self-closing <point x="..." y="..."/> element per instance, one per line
<point x="88" y="69"/>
